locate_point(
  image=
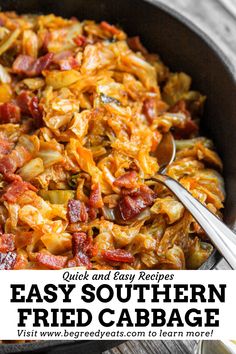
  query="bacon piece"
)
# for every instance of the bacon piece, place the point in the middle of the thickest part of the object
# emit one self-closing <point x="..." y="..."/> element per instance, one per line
<point x="11" y="177"/>
<point x="65" y="54"/>
<point x="9" y="113"/>
<point x="14" y="160"/>
<point x="118" y="255"/>
<point x="5" y="146"/>
<point x="76" y="211"/>
<point x="35" y="111"/>
<point x="95" y="199"/>
<point x="150" y="109"/>
<point x="80" y="40"/>
<point x="92" y="213"/>
<point x="65" y="60"/>
<point x="41" y="64"/>
<point x="24" y="64"/>
<point x="153" y="107"/>
<point x="189" y="127"/>
<point x="127" y="180"/>
<point x="16" y="189"/>
<point x="82" y="248"/>
<point x="136" y="45"/>
<point x="131" y="205"/>
<point x="70" y="63"/>
<point x="7" y="260"/>
<point x="81" y="242"/>
<point x="7" y="243"/>
<point x="30" y="106"/>
<point x="109" y="28"/>
<point x="23" y="101"/>
<point x="51" y="261"/>
<point x="7" y="165"/>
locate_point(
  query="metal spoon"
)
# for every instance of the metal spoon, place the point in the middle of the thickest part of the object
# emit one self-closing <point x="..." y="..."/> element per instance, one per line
<point x="220" y="235"/>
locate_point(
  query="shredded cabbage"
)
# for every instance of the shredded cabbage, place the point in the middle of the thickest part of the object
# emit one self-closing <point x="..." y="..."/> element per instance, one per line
<point x="83" y="109"/>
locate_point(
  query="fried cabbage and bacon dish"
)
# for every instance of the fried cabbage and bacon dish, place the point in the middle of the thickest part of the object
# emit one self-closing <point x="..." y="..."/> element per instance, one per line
<point x="83" y="109"/>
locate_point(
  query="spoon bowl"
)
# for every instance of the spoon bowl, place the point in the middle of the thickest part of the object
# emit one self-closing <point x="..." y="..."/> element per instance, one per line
<point x="166" y="151"/>
<point x="219" y="234"/>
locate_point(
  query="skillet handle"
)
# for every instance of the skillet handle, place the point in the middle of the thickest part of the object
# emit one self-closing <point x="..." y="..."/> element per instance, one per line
<point x="220" y="235"/>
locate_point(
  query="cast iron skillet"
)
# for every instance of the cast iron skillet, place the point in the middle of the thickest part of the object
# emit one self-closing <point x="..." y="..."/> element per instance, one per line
<point x="182" y="46"/>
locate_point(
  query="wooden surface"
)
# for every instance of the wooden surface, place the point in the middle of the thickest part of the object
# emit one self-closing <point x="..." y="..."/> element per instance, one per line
<point x="218" y="19"/>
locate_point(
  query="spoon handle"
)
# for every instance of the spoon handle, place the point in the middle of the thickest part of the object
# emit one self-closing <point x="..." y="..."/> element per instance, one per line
<point x="220" y="235"/>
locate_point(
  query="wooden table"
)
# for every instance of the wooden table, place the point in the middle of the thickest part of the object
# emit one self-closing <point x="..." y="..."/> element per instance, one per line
<point x="218" y="19"/>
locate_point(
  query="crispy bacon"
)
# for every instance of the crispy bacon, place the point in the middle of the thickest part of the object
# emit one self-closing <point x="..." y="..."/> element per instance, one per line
<point x="51" y="261"/>
<point x="131" y="205"/>
<point x="82" y="248"/>
<point x="7" y="243"/>
<point x="5" y="146"/>
<point x="136" y="45"/>
<point x="65" y="60"/>
<point x="68" y="64"/>
<point x="190" y="127"/>
<point x="23" y="64"/>
<point x="80" y="40"/>
<point x="9" y="113"/>
<point x="76" y="211"/>
<point x="153" y="107"/>
<point x="95" y="199"/>
<point x="81" y="242"/>
<point x="109" y="28"/>
<point x="7" y="260"/>
<point x="14" y="160"/>
<point x="16" y="189"/>
<point x="92" y="213"/>
<point x="149" y="108"/>
<point x="12" y="177"/>
<point x="35" y="111"/>
<point x="127" y="180"/>
<point x="30" y="106"/>
<point x="7" y="165"/>
<point x="26" y="65"/>
<point x="118" y="255"/>
<point x="23" y="101"/>
<point x="65" y="54"/>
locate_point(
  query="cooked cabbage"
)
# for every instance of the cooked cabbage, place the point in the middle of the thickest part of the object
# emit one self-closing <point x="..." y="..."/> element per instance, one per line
<point x="83" y="109"/>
